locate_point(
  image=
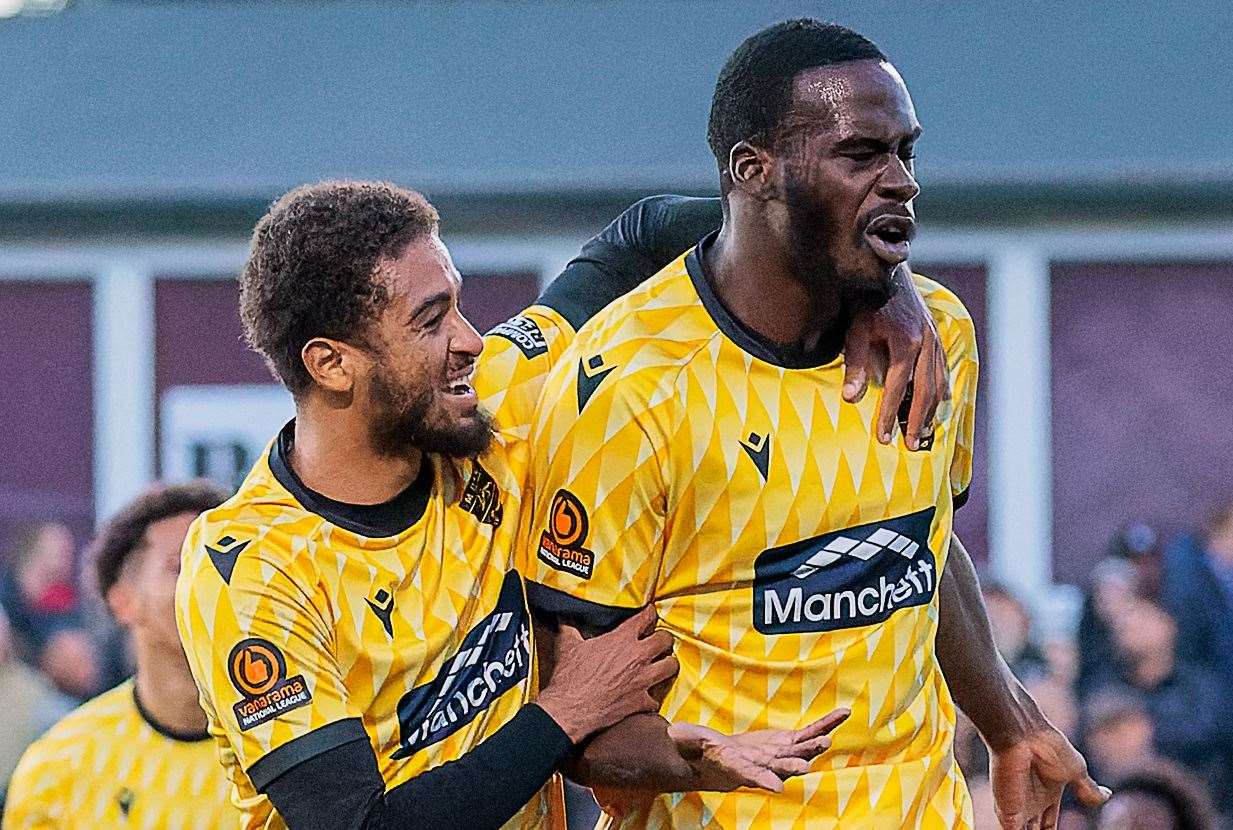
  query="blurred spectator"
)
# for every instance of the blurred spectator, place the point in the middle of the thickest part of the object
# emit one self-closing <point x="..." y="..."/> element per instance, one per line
<point x="1132" y="568"/>
<point x="38" y="587"/>
<point x="1157" y="796"/>
<point x="1012" y="629"/>
<point x="1117" y="733"/>
<point x="1187" y="704"/>
<point x="70" y="660"/>
<point x="40" y="592"/>
<point x="28" y="702"/>
<point x="1198" y="590"/>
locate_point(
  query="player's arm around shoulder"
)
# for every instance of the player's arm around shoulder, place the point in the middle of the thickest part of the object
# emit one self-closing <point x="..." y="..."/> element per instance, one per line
<point x="514" y="366"/>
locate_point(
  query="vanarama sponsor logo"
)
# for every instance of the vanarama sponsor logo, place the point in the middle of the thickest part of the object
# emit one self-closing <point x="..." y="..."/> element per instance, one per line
<point x="846" y="579"/>
<point x="560" y="545"/>
<point x="495" y="657"/>
<point x="258" y="671"/>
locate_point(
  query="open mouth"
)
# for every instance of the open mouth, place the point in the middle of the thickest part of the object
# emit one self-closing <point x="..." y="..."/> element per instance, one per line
<point x="459" y="383"/>
<point x="890" y="237"/>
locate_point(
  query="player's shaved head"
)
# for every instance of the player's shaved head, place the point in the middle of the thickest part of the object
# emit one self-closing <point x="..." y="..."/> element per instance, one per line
<point x="312" y="267"/>
<point x="755" y="87"/>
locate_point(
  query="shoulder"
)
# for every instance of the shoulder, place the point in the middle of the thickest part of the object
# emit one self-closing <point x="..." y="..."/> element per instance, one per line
<point x="634" y="352"/>
<point x="94" y="720"/>
<point x="661" y="323"/>
<point x="250" y="540"/>
<point x="530" y="334"/>
<point x="951" y="316"/>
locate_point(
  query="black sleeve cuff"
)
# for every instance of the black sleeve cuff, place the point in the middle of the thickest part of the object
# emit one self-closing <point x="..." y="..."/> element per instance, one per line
<point x="297" y="751"/>
<point x="579" y="613"/>
<point x="537" y="725"/>
<point x="960" y="498"/>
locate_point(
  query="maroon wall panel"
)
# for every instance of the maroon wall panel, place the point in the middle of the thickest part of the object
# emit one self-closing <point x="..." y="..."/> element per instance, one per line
<point x="488" y="299"/>
<point x="1142" y="392"/>
<point x="197" y="336"/>
<point x="971" y="522"/>
<point x="46" y="458"/>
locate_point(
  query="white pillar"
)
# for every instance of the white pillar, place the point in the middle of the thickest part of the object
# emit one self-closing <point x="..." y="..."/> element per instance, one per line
<point x="124" y="451"/>
<point x="1020" y="430"/>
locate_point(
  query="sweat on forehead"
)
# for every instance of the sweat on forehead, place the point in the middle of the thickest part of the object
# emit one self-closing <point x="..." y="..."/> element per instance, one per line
<point x="826" y="96"/>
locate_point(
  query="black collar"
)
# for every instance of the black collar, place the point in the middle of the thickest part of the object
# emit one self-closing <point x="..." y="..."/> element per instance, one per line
<point x="787" y="357"/>
<point x="374" y="520"/>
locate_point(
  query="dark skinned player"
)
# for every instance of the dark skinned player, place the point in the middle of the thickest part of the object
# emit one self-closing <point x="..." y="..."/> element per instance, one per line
<point x="692" y="451"/>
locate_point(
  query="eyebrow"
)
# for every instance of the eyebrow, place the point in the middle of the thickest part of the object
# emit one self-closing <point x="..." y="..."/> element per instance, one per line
<point x="435" y="299"/>
<point x="872" y="141"/>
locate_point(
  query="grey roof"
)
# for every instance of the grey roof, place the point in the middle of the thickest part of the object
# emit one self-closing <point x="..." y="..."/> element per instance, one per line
<point x="124" y="100"/>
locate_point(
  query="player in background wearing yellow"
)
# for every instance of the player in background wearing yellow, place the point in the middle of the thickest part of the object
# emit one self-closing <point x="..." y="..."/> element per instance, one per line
<point x="691" y="449"/>
<point x="139" y="755"/>
<point x="352" y="615"/>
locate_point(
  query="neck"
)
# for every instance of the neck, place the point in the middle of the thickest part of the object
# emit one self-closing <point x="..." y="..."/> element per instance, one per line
<point x="333" y="455"/>
<point x="165" y="688"/>
<point x="755" y="275"/>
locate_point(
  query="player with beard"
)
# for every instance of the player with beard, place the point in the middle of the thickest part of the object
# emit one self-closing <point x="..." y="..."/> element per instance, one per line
<point x="693" y="450"/>
<point x="352" y="615"/>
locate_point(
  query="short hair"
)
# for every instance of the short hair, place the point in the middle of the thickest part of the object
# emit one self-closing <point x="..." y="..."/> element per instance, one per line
<point x="311" y="267"/>
<point x="122" y="534"/>
<point x="1185" y="795"/>
<point x="754" y="90"/>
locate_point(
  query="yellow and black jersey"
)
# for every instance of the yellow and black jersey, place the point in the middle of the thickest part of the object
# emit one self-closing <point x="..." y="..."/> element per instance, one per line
<point x="637" y="244"/>
<point x="107" y="764"/>
<point x="680" y="460"/>
<point x="309" y="623"/>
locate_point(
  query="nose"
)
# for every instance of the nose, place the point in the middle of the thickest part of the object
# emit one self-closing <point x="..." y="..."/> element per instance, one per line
<point x="466" y="339"/>
<point x="897" y="181"/>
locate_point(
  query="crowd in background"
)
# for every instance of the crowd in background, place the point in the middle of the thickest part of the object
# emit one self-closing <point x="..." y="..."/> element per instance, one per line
<point x="1144" y="686"/>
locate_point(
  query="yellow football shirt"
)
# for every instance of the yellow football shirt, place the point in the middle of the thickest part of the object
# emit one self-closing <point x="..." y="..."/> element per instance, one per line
<point x="106" y="765"/>
<point x="678" y="460"/>
<point x="308" y="623"/>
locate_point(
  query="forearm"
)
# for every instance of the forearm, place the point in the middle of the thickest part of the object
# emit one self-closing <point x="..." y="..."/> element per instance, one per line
<point x="635" y="754"/>
<point x="342" y="788"/>
<point x="981" y="683"/>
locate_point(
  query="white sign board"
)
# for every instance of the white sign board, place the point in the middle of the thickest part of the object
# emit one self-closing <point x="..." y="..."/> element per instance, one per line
<point x="217" y="432"/>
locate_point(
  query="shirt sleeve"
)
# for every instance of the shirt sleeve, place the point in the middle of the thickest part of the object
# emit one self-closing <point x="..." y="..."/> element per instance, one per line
<point x="514" y="365"/>
<point x="255" y="625"/>
<point x="595" y="539"/>
<point x="635" y="246"/>
<point x="963" y="363"/>
<point x="36" y="793"/>
<point x="342" y="789"/>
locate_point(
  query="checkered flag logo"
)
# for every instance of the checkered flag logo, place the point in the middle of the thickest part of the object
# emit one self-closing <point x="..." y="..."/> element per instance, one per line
<point x="880" y="541"/>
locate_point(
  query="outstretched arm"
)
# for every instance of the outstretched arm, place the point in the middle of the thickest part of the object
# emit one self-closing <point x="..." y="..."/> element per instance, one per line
<point x="1031" y="762"/>
<point x="646" y="753"/>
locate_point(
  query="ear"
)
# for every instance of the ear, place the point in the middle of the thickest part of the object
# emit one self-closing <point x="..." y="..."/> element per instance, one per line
<point x="122" y="602"/>
<point x="332" y="364"/>
<point x="751" y="170"/>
